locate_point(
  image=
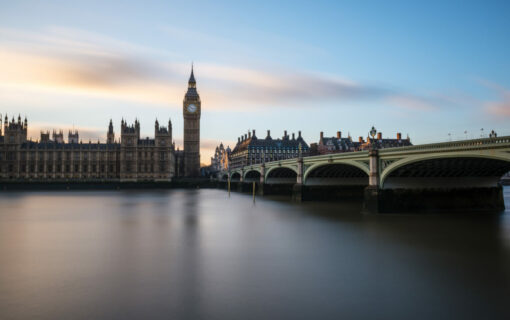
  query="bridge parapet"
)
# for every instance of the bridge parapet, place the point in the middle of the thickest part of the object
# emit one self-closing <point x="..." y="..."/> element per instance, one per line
<point x="482" y="143"/>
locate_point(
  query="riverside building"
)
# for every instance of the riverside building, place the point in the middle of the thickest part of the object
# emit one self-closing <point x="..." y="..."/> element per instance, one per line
<point x="252" y="150"/>
<point x="339" y="144"/>
<point x="129" y="159"/>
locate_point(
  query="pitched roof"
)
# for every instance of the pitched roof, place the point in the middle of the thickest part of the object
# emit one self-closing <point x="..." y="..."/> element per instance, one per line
<point x="254" y="143"/>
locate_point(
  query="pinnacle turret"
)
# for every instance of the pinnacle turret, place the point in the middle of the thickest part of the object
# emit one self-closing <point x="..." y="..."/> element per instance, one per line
<point x="191" y="78"/>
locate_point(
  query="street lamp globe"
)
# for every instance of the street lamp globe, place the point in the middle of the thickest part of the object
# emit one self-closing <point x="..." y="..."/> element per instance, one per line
<point x="373" y="132"/>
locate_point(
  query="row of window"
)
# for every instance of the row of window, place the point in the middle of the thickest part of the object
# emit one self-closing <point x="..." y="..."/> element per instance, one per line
<point x="61" y="155"/>
<point x="65" y="168"/>
<point x="83" y="168"/>
<point x="77" y="155"/>
<point x="258" y="150"/>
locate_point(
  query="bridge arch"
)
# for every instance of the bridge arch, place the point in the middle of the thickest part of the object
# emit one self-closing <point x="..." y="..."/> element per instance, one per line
<point x="281" y="175"/>
<point x="235" y="176"/>
<point x="252" y="175"/>
<point x="466" y="169"/>
<point x="336" y="173"/>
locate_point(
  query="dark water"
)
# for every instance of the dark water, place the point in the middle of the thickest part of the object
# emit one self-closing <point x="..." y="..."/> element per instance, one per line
<point x="196" y="254"/>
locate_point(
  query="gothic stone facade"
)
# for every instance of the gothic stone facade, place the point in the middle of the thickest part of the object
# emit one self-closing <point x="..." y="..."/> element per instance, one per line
<point x="130" y="159"/>
<point x="191" y="109"/>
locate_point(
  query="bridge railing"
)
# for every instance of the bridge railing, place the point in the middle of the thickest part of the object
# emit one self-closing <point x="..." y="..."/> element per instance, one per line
<point x="452" y="144"/>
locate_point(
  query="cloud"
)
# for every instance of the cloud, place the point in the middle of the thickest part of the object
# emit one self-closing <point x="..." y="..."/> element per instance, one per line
<point x="68" y="60"/>
<point x="499" y="108"/>
<point x="412" y="102"/>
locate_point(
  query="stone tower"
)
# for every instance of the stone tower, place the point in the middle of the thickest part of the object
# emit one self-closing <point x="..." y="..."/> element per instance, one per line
<point x="110" y="135"/>
<point x="191" y="111"/>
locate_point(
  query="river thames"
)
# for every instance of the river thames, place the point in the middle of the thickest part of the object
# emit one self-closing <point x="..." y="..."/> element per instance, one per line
<point x="198" y="254"/>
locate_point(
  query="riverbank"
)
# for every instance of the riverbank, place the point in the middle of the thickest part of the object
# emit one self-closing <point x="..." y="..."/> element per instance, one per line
<point x="184" y="183"/>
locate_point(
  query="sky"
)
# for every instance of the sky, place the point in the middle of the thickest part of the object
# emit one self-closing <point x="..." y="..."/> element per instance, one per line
<point x="433" y="70"/>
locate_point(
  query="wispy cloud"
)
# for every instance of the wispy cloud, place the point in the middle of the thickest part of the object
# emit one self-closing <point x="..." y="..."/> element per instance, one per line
<point x="74" y="61"/>
<point x="500" y="108"/>
<point x="412" y="102"/>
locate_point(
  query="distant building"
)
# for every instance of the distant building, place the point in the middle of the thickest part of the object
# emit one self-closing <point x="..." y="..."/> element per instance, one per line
<point x="220" y="160"/>
<point x="382" y="143"/>
<point x="252" y="150"/>
<point x="339" y="144"/>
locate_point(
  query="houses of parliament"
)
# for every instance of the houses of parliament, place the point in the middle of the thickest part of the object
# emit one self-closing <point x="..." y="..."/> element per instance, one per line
<point x="131" y="158"/>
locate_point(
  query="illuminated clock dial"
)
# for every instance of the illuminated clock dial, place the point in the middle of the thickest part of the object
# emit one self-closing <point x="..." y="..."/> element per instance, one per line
<point x="192" y="108"/>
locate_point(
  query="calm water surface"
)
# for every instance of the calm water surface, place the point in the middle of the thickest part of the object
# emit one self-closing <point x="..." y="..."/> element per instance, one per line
<point x="197" y="254"/>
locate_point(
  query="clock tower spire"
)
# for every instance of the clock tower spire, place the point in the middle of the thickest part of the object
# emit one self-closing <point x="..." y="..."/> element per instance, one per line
<point x="191" y="112"/>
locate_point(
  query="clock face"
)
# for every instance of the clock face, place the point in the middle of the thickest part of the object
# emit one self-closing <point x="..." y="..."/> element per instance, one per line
<point x="192" y="108"/>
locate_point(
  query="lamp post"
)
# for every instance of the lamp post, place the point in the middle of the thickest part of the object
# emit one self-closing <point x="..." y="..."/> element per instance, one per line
<point x="373" y="132"/>
<point x="371" y="203"/>
<point x="299" y="179"/>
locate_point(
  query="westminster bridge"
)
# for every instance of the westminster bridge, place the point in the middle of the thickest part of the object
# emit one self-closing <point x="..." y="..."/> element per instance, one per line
<point x="460" y="176"/>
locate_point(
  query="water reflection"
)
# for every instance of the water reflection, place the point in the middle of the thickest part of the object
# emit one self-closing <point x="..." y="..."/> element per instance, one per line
<point x="193" y="254"/>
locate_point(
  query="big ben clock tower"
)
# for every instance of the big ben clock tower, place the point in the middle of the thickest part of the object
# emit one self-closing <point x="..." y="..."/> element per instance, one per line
<point x="191" y="112"/>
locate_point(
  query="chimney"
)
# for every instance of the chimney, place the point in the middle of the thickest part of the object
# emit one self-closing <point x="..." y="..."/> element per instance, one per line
<point x="245" y="136"/>
<point x="253" y="133"/>
<point x="249" y="134"/>
<point x="322" y="135"/>
<point x="238" y="139"/>
<point x="399" y="136"/>
<point x="268" y="133"/>
<point x="285" y="133"/>
<point x="379" y="135"/>
<point x="339" y="134"/>
<point x="360" y="140"/>
<point x="293" y="137"/>
<point x="299" y="134"/>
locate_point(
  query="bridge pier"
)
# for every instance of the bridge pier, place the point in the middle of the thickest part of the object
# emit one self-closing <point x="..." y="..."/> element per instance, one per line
<point x="260" y="187"/>
<point x="298" y="192"/>
<point x="298" y="189"/>
<point x="371" y="203"/>
<point x="372" y="192"/>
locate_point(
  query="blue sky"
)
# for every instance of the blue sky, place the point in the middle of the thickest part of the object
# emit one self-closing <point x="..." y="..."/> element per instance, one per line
<point x="421" y="68"/>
